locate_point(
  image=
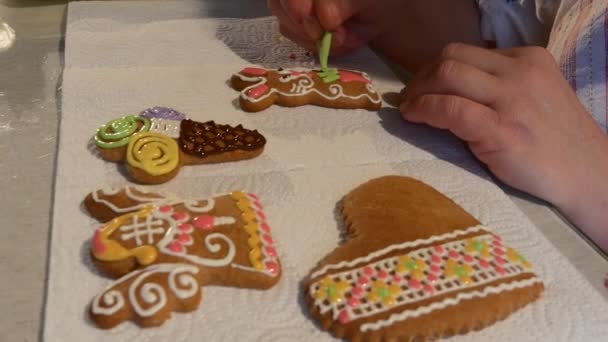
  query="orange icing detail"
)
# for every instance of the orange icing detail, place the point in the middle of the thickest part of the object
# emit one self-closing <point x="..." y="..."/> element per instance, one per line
<point x="114" y="251"/>
<point x="252" y="228"/>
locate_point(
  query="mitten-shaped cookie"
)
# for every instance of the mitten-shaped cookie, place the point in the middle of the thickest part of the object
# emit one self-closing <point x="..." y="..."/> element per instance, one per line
<point x="163" y="251"/>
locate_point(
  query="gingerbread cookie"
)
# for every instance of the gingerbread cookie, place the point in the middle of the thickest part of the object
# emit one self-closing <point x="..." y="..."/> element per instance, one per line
<point x="156" y="143"/>
<point x="415" y="266"/>
<point x="261" y="88"/>
<point x="163" y="249"/>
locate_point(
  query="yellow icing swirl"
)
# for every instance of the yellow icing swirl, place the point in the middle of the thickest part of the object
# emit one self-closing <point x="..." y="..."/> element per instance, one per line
<point x="154" y="153"/>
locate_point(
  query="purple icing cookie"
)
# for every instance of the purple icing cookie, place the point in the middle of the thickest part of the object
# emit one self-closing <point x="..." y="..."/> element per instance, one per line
<point x="163" y="113"/>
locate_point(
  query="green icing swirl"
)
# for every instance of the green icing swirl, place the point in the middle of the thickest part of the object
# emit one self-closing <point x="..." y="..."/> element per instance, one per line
<point x="117" y="132"/>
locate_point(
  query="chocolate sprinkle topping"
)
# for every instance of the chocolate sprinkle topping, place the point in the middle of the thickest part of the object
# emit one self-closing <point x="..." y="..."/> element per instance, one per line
<point x="207" y="138"/>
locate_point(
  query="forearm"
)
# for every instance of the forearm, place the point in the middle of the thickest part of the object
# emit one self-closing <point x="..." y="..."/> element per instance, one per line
<point x="586" y="205"/>
<point x="416" y="33"/>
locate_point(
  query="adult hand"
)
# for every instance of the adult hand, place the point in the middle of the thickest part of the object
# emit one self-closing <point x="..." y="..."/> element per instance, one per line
<point x="408" y="32"/>
<point x="522" y="119"/>
<point x="352" y="21"/>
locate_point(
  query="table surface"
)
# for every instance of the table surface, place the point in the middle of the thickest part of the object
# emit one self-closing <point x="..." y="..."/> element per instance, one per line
<point x="30" y="107"/>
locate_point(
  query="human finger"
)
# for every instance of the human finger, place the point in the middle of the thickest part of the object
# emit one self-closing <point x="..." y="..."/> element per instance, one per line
<point x="468" y="120"/>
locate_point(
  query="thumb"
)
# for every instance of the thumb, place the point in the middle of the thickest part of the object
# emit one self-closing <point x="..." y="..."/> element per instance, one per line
<point x="334" y="13"/>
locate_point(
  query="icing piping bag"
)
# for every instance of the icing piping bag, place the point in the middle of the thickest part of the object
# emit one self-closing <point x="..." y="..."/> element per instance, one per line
<point x="327" y="74"/>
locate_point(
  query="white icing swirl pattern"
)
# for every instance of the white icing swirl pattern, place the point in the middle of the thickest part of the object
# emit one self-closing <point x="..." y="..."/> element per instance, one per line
<point x="305" y="87"/>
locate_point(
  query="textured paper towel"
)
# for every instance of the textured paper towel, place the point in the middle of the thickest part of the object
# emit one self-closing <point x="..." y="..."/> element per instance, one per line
<point x="120" y="60"/>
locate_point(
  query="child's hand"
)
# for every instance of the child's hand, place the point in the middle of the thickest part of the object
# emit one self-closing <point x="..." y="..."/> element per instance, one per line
<point x="304" y="21"/>
<point x="521" y="118"/>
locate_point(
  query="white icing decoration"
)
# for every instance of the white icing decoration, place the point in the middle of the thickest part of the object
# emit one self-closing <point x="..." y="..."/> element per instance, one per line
<point x="449" y="302"/>
<point x="153" y="293"/>
<point x="388" y="249"/>
<point x="166" y="127"/>
<point x="223" y="220"/>
<point x="184" y="285"/>
<point x="478" y="275"/>
<point x="144" y="201"/>
<point x="193" y="205"/>
<point x="112" y="300"/>
<point x="136" y="230"/>
<point x="303" y="88"/>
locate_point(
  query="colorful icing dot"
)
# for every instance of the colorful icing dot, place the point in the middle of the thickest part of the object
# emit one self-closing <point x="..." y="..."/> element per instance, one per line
<point x="184" y="227"/>
<point x="496" y="243"/>
<point x="363" y="281"/>
<point x="353" y="302"/>
<point x="428" y="288"/>
<point x="261" y="215"/>
<point x="331" y="290"/>
<point x="435" y="269"/>
<point x="272" y="267"/>
<point x="254" y="71"/>
<point x="368" y="271"/>
<point x="499" y="270"/>
<point x="454" y="255"/>
<point x="270" y="251"/>
<point x="413" y="283"/>
<point x="252" y="195"/>
<point x="499" y="260"/>
<point x="498" y="251"/>
<point x="265" y="227"/>
<point x="165" y="209"/>
<point x="257" y="205"/>
<point x="258" y="91"/>
<point x="468" y="259"/>
<point x="435" y="259"/>
<point x="397" y="278"/>
<point x="268" y="239"/>
<point x="204" y="222"/>
<point x="176" y="247"/>
<point x="343" y="317"/>
<point x="184" y="238"/>
<point x="432" y="278"/>
<point x="483" y="263"/>
<point x="382" y="274"/>
<point x="357" y="291"/>
<point x="382" y="292"/>
<point x="439" y="249"/>
<point x="178" y="216"/>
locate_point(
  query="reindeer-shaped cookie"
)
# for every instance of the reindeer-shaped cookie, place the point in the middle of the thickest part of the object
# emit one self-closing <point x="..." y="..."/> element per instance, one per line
<point x="261" y="88"/>
<point x="415" y="266"/>
<point x="162" y="250"/>
<point x="156" y="143"/>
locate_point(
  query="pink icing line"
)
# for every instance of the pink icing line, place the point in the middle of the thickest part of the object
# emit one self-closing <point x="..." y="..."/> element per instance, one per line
<point x="257" y="91"/>
<point x="97" y="244"/>
<point x="348" y="76"/>
<point x="253" y="72"/>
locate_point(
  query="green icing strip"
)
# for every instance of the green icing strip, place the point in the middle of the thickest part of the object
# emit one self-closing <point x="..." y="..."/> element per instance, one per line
<point x="327" y="74"/>
<point x="117" y="132"/>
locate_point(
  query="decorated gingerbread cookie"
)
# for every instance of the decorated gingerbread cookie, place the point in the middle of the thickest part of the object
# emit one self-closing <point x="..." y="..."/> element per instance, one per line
<point x="156" y="143"/>
<point x="415" y="266"/>
<point x="162" y="250"/>
<point x="261" y="88"/>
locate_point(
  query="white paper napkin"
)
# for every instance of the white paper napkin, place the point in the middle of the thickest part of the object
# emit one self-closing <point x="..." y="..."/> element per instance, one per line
<point x="122" y="57"/>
